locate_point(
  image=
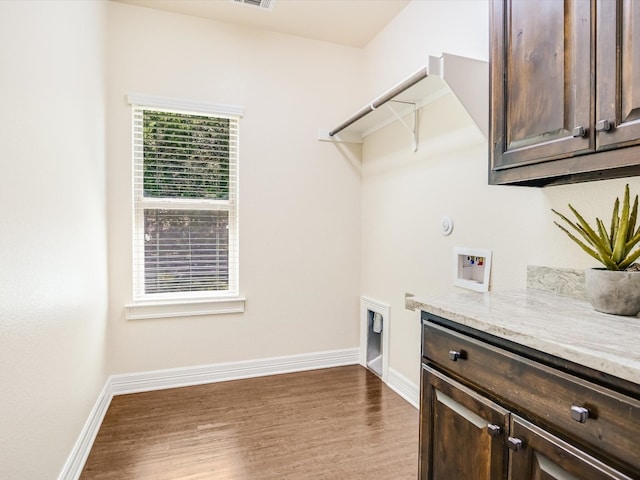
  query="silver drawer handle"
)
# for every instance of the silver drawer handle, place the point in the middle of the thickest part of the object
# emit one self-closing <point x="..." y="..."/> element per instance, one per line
<point x="514" y="444"/>
<point x="603" y="126"/>
<point x="455" y="355"/>
<point x="579" y="414"/>
<point x="579" y="132"/>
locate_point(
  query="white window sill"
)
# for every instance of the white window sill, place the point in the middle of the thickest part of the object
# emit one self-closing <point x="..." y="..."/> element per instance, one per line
<point x="183" y="308"/>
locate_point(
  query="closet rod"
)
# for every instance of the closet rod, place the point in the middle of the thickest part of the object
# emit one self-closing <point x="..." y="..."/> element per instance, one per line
<point x="382" y="99"/>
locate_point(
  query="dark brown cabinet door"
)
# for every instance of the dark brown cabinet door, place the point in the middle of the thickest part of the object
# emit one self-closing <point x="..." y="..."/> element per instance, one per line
<point x="618" y="74"/>
<point x="462" y="434"/>
<point x="536" y="454"/>
<point x="565" y="91"/>
<point x="542" y="87"/>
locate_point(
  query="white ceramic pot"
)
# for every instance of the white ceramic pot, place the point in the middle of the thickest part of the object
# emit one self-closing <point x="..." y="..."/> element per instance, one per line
<point x="613" y="292"/>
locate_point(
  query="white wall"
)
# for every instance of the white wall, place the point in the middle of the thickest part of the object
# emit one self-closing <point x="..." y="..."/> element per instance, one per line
<point x="405" y="194"/>
<point x="53" y="267"/>
<point x="315" y="233"/>
<point x="299" y="198"/>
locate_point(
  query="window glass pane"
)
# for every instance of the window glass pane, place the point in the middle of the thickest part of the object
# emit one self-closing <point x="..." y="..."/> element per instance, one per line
<point x="186" y="250"/>
<point x="186" y="156"/>
<point x="185" y="193"/>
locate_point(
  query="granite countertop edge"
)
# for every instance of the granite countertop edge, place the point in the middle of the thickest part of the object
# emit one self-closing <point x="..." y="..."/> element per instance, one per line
<point x="566" y="327"/>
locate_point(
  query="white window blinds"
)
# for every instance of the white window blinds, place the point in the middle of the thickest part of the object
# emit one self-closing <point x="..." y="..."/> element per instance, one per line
<point x="185" y="203"/>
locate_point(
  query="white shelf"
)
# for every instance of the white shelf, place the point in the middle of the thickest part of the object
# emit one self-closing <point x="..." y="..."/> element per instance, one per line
<point x="466" y="78"/>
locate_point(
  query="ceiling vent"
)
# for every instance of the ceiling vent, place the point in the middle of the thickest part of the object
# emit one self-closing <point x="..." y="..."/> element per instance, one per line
<point x="266" y="4"/>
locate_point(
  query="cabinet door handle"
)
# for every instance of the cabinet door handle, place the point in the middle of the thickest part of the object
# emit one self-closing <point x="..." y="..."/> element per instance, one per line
<point x="455" y="355"/>
<point x="579" y="132"/>
<point x="603" y="126"/>
<point x="514" y="444"/>
<point x="493" y="430"/>
<point x="579" y="414"/>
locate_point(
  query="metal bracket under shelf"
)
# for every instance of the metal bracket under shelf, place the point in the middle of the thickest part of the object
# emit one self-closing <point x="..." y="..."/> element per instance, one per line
<point x="412" y="130"/>
<point x="397" y="114"/>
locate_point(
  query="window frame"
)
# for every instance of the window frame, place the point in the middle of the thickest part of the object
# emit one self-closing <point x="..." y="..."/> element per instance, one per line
<point x="179" y="304"/>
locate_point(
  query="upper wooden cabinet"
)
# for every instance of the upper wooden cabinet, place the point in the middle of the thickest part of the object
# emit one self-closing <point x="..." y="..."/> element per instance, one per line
<point x="618" y="73"/>
<point x="565" y="91"/>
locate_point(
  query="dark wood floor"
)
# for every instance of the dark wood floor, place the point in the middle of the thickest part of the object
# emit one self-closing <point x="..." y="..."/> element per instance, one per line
<point x="335" y="424"/>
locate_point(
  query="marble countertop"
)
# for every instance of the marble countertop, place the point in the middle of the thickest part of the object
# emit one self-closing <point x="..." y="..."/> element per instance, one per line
<point x="566" y="327"/>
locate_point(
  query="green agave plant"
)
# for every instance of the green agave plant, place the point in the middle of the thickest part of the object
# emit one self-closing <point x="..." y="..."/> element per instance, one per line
<point x="615" y="248"/>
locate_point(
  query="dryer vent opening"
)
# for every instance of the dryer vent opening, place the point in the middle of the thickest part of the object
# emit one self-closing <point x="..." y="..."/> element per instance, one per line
<point x="374" y="336"/>
<point x="375" y="322"/>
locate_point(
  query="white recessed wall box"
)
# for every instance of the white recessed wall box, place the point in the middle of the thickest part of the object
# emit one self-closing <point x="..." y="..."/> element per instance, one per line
<point x="472" y="268"/>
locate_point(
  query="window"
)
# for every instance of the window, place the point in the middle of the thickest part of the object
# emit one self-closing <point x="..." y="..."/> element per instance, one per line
<point x="185" y="190"/>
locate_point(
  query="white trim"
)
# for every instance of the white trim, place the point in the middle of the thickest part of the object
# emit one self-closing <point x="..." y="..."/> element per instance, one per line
<point x="80" y="452"/>
<point x="142" y="205"/>
<point x="366" y="305"/>
<point x="183" y="308"/>
<point x="404" y="387"/>
<point x="220" y="372"/>
<point x="155" y="101"/>
<point x="181" y="377"/>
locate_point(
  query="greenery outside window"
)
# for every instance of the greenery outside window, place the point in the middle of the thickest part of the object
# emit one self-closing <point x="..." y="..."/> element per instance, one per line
<point x="185" y="190"/>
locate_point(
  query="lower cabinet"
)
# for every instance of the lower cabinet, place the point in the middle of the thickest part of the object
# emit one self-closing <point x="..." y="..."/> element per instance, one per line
<point x="489" y="414"/>
<point x="536" y="454"/>
<point x="461" y="433"/>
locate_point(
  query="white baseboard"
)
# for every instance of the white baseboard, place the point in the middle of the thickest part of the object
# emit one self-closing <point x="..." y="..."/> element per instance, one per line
<point x="404" y="387"/>
<point x="181" y="377"/>
<point x="220" y="372"/>
<point x="74" y="464"/>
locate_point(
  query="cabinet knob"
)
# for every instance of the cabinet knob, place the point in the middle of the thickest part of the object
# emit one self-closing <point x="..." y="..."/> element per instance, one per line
<point x="579" y="414"/>
<point x="603" y="126"/>
<point x="514" y="444"/>
<point x="455" y="355"/>
<point x="579" y="132"/>
<point x="493" y="430"/>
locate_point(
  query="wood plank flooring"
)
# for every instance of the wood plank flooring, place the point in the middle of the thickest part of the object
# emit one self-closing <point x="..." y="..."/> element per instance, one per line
<point x="336" y="424"/>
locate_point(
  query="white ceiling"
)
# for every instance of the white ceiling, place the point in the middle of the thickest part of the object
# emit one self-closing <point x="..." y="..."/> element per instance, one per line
<point x="346" y="22"/>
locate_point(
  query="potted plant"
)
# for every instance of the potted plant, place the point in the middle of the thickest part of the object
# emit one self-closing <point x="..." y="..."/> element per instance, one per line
<point x="616" y="287"/>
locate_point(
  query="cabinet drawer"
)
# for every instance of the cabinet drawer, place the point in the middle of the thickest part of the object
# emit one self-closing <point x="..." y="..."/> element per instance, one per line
<point x="589" y="414"/>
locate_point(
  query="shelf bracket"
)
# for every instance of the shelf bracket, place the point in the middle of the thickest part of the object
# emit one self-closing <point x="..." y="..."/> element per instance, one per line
<point x="412" y="130"/>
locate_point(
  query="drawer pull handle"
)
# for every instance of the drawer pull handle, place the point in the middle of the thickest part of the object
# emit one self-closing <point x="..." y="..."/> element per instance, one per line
<point x="493" y="430"/>
<point x="455" y="355"/>
<point x="579" y="132"/>
<point x="579" y="414"/>
<point x="514" y="444"/>
<point x="603" y="126"/>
